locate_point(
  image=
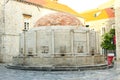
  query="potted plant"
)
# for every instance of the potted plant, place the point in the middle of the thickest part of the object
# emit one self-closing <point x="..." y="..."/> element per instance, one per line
<point x="108" y="42"/>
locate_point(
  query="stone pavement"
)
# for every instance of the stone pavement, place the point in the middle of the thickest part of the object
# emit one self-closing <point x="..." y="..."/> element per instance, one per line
<point x="106" y="74"/>
<point x="117" y="69"/>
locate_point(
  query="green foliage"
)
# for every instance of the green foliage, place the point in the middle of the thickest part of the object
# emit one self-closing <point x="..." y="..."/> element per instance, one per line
<point x="107" y="40"/>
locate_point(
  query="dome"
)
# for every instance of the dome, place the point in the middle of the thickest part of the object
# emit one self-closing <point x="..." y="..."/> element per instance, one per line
<point x="59" y="18"/>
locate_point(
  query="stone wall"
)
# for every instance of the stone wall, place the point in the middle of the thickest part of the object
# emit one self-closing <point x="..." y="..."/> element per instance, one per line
<point x="44" y="41"/>
<point x="99" y="24"/>
<point x="117" y="24"/>
<point x="13" y="14"/>
<point x="71" y="61"/>
<point x="13" y="18"/>
<point x="2" y="24"/>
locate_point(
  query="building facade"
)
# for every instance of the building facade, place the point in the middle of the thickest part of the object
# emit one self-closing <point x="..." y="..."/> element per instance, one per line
<point x="101" y="19"/>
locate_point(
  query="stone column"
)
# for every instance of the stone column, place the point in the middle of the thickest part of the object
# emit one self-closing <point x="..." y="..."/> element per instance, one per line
<point x="53" y="43"/>
<point x="72" y="36"/>
<point x="88" y="42"/>
<point x="2" y="30"/>
<point x="117" y="27"/>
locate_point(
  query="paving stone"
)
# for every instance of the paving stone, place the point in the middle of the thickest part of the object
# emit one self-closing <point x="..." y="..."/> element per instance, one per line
<point x="106" y="74"/>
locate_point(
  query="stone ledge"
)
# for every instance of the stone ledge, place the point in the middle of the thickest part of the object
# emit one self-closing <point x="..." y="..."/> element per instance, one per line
<point x="95" y="67"/>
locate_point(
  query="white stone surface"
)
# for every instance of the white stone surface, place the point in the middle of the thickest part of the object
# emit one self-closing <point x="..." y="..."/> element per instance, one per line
<point x="39" y="40"/>
<point x="117" y="25"/>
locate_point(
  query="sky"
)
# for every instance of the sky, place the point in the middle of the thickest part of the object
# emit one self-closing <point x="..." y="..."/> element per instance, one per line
<point x="82" y="5"/>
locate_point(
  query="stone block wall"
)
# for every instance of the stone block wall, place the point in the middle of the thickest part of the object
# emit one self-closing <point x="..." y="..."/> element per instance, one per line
<point x="72" y="61"/>
<point x="2" y="28"/>
<point x="12" y="24"/>
<point x="58" y="40"/>
<point x="117" y="25"/>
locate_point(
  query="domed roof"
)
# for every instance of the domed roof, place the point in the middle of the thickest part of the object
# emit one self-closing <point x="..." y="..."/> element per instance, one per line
<point x="59" y="18"/>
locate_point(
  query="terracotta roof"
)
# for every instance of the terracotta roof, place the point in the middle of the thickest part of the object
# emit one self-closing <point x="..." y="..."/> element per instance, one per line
<point x="38" y="2"/>
<point x="58" y="18"/>
<point x="53" y="5"/>
<point x="98" y="14"/>
<point x="110" y="12"/>
<point x="104" y="11"/>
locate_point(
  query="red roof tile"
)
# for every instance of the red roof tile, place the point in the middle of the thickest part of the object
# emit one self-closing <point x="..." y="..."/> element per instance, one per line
<point x="38" y="2"/>
<point x="58" y="19"/>
<point x="110" y="12"/>
<point x="53" y="5"/>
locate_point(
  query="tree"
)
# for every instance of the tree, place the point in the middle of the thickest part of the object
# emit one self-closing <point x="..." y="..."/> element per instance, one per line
<point x="107" y="40"/>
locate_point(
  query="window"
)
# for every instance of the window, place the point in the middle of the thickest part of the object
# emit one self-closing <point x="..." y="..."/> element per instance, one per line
<point x="113" y="26"/>
<point x="87" y="25"/>
<point x="103" y="30"/>
<point x="26" y="25"/>
<point x="27" y="18"/>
